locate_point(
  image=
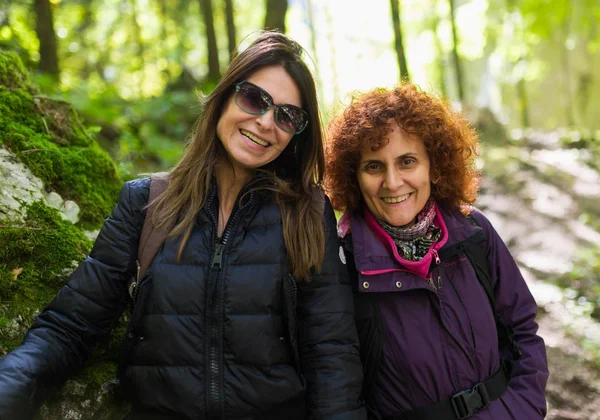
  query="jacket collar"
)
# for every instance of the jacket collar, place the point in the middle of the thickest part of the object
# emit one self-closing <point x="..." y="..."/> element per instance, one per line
<point x="375" y="252"/>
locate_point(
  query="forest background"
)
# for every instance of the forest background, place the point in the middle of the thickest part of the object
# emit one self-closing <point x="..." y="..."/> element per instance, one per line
<point x="523" y="71"/>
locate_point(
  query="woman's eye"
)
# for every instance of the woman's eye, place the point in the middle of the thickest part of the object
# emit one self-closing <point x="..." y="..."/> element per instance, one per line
<point x="372" y="167"/>
<point x="408" y="161"/>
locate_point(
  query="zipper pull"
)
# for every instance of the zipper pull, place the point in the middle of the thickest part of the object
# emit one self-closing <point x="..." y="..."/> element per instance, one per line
<point x="137" y="274"/>
<point x="132" y="289"/>
<point x="430" y="280"/>
<point x="439" y="282"/>
<point x="436" y="256"/>
<point x="218" y="256"/>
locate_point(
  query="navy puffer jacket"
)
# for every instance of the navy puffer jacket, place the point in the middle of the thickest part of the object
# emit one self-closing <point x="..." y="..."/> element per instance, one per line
<point x="223" y="333"/>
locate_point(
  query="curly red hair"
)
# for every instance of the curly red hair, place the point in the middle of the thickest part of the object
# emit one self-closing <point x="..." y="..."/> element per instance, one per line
<point x="451" y="144"/>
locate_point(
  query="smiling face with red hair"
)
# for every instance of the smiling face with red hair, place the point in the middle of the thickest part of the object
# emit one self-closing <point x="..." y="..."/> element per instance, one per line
<point x="394" y="179"/>
<point x="449" y="142"/>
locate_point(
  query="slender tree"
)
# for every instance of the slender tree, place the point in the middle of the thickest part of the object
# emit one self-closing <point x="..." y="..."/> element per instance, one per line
<point x="457" y="63"/>
<point x="398" y="43"/>
<point x="566" y="62"/>
<point x="587" y="75"/>
<point x="332" y="52"/>
<point x="523" y="102"/>
<point x="4" y="16"/>
<point x="87" y="22"/>
<point x="516" y="21"/>
<point x="44" y="28"/>
<point x="313" y="40"/>
<point x="163" y="15"/>
<point x="275" y="14"/>
<point x="230" y="22"/>
<point x="140" y="50"/>
<point x="441" y="55"/>
<point x="206" y="10"/>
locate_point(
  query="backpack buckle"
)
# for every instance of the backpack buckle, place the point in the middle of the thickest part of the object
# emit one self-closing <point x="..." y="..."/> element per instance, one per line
<point x="468" y="402"/>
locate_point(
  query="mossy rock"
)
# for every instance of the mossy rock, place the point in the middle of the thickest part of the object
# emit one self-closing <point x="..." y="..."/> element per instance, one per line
<point x="49" y="138"/>
<point x="56" y="188"/>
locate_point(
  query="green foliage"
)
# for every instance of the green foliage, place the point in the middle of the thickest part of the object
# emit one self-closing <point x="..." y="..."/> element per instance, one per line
<point x="143" y="135"/>
<point x="48" y="136"/>
<point x="584" y="140"/>
<point x="582" y="283"/>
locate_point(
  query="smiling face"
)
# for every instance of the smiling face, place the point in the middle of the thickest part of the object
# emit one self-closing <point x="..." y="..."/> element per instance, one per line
<point x="394" y="180"/>
<point x="252" y="141"/>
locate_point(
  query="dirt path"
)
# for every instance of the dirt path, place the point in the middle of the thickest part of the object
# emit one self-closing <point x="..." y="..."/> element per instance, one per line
<point x="535" y="198"/>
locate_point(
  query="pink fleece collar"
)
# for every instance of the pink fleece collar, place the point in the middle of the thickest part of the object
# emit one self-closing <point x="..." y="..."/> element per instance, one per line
<point x="421" y="268"/>
<point x="344" y="225"/>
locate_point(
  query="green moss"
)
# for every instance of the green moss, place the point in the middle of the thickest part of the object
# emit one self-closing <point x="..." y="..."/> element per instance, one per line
<point x="50" y="139"/>
<point x="32" y="269"/>
<point x="12" y="72"/>
<point x="32" y="264"/>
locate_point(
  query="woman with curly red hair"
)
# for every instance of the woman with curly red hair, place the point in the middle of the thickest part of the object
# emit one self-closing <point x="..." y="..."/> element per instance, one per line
<point x="445" y="319"/>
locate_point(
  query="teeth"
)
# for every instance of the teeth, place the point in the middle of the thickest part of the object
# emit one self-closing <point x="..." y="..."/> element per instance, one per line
<point x="392" y="200"/>
<point x="254" y="138"/>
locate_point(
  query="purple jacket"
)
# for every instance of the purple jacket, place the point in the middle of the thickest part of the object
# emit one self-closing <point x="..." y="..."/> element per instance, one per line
<point x="439" y="337"/>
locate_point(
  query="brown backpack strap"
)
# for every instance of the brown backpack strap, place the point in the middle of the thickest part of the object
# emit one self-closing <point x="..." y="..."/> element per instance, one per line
<point x="151" y="237"/>
<point x="318" y="198"/>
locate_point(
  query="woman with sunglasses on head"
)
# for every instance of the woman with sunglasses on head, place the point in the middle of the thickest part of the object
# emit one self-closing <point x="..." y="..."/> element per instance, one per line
<point x="446" y="322"/>
<point x="246" y="310"/>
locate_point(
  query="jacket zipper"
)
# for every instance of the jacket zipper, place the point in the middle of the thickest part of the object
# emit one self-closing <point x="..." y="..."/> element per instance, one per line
<point x="215" y="342"/>
<point x="437" y="283"/>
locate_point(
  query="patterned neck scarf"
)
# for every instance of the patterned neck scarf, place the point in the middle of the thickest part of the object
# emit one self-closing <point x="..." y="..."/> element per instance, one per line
<point x="413" y="242"/>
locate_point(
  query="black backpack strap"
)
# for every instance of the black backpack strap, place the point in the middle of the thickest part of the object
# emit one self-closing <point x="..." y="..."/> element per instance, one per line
<point x="475" y="250"/>
<point x="369" y="326"/>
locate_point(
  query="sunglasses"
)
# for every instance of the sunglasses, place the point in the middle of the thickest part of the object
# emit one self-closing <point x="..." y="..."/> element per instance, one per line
<point x="256" y="101"/>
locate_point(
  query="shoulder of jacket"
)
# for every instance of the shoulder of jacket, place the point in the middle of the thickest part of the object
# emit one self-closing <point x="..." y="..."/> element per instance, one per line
<point x="477" y="217"/>
<point x="137" y="192"/>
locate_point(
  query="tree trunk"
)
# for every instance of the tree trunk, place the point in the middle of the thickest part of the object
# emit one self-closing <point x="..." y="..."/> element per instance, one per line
<point x="164" y="19"/>
<point x="522" y="60"/>
<point x="566" y="61"/>
<point x="275" y="15"/>
<point x="87" y="21"/>
<point x="399" y="45"/>
<point x="230" y="22"/>
<point x="457" y="63"/>
<point x="313" y="41"/>
<point x="44" y="28"/>
<point x="140" y="51"/>
<point x="523" y="102"/>
<point x="441" y="56"/>
<point x="332" y="54"/>
<point x="214" y="72"/>
<point x="4" y="16"/>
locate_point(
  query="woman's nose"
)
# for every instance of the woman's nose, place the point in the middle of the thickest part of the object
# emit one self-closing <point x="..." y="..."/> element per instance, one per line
<point x="266" y="120"/>
<point x="393" y="180"/>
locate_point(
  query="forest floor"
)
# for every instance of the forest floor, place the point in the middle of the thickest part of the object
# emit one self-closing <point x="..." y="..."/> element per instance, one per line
<point x="541" y="202"/>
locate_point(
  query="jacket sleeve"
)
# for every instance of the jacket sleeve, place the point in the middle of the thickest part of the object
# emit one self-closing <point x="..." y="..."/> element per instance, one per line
<point x="328" y="341"/>
<point x="525" y="396"/>
<point x="83" y="311"/>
